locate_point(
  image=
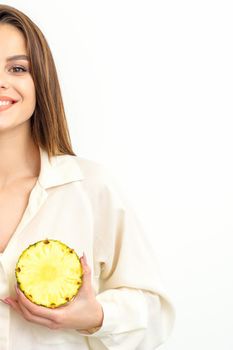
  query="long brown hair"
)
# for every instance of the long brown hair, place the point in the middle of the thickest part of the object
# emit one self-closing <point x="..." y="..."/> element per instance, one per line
<point x="49" y="126"/>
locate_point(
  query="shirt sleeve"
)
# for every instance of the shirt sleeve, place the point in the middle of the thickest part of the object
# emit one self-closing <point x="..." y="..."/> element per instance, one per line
<point x="138" y="314"/>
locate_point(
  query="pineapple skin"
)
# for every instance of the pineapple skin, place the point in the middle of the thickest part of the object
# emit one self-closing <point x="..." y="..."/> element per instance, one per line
<point x="26" y="291"/>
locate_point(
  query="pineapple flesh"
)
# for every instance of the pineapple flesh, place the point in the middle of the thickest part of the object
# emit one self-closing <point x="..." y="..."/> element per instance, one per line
<point x="49" y="273"/>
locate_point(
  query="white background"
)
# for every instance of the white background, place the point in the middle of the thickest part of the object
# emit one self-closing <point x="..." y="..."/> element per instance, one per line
<point x="147" y="87"/>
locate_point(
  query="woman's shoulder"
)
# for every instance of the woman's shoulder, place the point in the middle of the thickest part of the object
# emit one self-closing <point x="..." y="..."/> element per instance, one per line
<point x="91" y="171"/>
<point x="99" y="175"/>
<point x="89" y="167"/>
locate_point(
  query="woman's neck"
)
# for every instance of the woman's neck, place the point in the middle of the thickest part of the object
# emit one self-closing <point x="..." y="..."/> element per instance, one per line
<point x="19" y="157"/>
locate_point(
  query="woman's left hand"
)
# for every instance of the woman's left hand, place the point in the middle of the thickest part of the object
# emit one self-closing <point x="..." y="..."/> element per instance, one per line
<point x="82" y="313"/>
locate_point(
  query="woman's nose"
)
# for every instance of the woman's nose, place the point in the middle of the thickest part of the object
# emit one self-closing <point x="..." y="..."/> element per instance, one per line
<point x="3" y="81"/>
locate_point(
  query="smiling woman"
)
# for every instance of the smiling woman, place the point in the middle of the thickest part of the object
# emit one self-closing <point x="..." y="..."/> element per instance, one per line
<point x="47" y="193"/>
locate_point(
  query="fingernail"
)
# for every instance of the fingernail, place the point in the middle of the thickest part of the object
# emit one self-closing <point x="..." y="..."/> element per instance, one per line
<point x="6" y="301"/>
<point x="3" y="301"/>
<point x="84" y="258"/>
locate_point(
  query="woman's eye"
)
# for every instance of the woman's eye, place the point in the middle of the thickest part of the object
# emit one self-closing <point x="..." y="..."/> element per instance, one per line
<point x="18" y="69"/>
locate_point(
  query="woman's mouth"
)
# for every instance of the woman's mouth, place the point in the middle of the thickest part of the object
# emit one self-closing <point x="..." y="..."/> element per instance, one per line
<point x="4" y="105"/>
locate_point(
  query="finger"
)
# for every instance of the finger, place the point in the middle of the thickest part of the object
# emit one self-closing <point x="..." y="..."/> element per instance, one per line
<point x="86" y="279"/>
<point x="14" y="304"/>
<point x="37" y="319"/>
<point x="34" y="309"/>
<point x="20" y="309"/>
<point x="86" y="270"/>
<point x="84" y="257"/>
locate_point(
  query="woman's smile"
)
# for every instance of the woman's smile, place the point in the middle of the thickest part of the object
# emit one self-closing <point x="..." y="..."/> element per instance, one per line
<point x="4" y="105"/>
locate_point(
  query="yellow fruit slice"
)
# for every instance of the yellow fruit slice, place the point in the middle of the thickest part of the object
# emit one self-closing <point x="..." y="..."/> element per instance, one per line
<point x="49" y="273"/>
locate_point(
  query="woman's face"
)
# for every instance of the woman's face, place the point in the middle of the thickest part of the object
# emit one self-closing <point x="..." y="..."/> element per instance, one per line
<point x="16" y="82"/>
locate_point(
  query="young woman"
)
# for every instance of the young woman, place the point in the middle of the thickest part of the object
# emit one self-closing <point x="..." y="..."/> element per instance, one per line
<point x="48" y="191"/>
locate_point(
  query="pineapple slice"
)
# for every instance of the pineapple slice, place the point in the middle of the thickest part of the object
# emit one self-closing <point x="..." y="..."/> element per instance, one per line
<point x="49" y="273"/>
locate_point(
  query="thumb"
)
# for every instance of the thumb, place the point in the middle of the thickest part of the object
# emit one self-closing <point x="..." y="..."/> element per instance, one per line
<point x="86" y="280"/>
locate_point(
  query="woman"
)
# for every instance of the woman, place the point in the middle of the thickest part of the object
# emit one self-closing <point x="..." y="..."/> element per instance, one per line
<point x="48" y="191"/>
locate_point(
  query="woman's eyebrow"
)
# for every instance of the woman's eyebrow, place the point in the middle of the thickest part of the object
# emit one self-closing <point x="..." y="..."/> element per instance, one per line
<point x="18" y="57"/>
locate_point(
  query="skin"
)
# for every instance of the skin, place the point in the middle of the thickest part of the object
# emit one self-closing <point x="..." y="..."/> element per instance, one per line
<point x="20" y="161"/>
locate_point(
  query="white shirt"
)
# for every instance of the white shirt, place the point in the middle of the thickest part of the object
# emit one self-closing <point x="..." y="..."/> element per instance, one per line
<point x="76" y="201"/>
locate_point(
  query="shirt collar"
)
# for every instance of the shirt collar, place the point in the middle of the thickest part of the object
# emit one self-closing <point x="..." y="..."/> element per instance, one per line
<point x="58" y="170"/>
